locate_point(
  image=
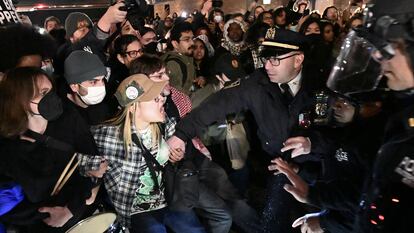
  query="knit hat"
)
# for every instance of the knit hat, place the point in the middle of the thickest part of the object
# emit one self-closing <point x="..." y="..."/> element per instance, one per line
<point x="138" y="88"/>
<point x="229" y="65"/>
<point x="72" y="21"/>
<point x="82" y="66"/>
<point x="51" y="18"/>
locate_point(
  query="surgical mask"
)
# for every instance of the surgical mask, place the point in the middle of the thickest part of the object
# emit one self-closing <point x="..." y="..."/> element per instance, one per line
<point x="95" y="95"/>
<point x="218" y="18"/>
<point x="48" y="69"/>
<point x="50" y="106"/>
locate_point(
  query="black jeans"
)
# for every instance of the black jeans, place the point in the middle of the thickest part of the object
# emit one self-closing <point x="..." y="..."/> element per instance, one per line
<point x="157" y="220"/>
<point x="276" y="212"/>
<point x="217" y="181"/>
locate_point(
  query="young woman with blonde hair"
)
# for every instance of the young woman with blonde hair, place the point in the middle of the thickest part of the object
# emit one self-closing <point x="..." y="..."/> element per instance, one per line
<point x="134" y="146"/>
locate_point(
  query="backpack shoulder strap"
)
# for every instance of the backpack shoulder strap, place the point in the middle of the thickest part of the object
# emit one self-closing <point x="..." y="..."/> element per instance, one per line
<point x="182" y="65"/>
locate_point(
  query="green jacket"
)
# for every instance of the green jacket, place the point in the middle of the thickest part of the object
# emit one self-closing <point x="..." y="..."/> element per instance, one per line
<point x="176" y="74"/>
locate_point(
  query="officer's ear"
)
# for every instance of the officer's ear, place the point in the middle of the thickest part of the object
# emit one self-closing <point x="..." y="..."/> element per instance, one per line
<point x="299" y="60"/>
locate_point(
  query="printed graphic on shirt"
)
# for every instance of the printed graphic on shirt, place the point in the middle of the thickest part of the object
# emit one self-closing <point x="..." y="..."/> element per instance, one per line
<point x="406" y="170"/>
<point x="146" y="196"/>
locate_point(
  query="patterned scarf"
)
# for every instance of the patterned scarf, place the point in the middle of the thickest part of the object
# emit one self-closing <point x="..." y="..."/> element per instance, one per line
<point x="234" y="48"/>
<point x="184" y="106"/>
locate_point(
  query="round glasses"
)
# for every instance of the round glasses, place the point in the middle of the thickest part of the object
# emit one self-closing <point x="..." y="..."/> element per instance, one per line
<point x="134" y="53"/>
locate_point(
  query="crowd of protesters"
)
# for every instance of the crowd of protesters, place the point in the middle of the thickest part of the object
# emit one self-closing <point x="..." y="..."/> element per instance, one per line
<point x="212" y="122"/>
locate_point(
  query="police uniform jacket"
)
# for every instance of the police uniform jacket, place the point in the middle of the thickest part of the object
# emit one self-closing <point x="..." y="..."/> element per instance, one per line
<point x="387" y="204"/>
<point x="276" y="121"/>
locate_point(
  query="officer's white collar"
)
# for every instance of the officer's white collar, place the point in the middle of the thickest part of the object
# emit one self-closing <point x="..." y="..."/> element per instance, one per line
<point x="294" y="84"/>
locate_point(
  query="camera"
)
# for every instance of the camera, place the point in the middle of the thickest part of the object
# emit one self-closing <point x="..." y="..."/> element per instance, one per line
<point x="217" y="3"/>
<point x="135" y="7"/>
<point x="137" y="10"/>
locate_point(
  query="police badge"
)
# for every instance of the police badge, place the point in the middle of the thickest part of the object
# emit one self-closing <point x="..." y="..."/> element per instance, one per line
<point x="321" y="108"/>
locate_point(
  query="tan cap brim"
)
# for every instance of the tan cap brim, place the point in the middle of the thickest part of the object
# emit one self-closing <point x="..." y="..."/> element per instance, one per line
<point x="153" y="91"/>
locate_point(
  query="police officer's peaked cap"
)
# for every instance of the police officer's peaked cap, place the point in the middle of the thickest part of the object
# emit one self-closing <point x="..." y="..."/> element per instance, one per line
<point x="281" y="41"/>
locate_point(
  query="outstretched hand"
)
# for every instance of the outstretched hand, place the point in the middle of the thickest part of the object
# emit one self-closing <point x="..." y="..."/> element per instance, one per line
<point x="298" y="145"/>
<point x="309" y="223"/>
<point x="299" y="188"/>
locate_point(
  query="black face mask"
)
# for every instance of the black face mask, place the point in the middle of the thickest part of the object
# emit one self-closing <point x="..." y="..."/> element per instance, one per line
<point x="314" y="38"/>
<point x="151" y="48"/>
<point x="50" y="106"/>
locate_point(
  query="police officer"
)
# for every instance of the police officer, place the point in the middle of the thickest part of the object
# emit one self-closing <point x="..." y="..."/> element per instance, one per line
<point x="385" y="45"/>
<point x="278" y="96"/>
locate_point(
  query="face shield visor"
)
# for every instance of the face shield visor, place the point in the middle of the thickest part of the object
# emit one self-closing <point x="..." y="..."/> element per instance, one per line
<point x="355" y="69"/>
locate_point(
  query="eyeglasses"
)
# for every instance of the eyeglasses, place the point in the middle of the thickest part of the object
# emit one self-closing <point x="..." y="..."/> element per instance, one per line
<point x="159" y="75"/>
<point x="134" y="53"/>
<point x="275" y="61"/>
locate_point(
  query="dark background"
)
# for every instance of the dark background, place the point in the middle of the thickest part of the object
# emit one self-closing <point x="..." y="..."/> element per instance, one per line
<point x="93" y="8"/>
<point x="95" y="11"/>
<point x="60" y="2"/>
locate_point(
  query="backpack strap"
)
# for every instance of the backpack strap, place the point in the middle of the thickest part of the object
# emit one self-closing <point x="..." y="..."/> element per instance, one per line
<point x="182" y="65"/>
<point x="151" y="162"/>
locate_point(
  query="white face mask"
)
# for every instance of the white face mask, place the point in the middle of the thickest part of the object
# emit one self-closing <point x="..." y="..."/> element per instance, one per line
<point x="218" y="18"/>
<point x="95" y="95"/>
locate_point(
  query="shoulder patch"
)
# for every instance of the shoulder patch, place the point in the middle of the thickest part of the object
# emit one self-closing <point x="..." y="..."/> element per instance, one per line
<point x="406" y="170"/>
<point x="233" y="84"/>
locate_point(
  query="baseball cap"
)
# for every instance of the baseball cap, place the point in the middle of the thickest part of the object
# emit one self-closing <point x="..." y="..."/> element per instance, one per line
<point x="138" y="88"/>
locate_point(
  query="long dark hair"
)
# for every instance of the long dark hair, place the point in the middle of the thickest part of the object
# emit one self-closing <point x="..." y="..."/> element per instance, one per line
<point x="17" y="89"/>
<point x="309" y="21"/>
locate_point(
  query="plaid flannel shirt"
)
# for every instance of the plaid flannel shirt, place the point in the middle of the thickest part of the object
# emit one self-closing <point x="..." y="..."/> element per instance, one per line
<point x="122" y="177"/>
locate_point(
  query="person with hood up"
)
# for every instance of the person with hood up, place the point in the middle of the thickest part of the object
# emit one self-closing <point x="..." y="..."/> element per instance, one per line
<point x="233" y="35"/>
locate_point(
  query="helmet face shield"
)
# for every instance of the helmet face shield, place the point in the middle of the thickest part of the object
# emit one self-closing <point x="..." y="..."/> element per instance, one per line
<point x="355" y="69"/>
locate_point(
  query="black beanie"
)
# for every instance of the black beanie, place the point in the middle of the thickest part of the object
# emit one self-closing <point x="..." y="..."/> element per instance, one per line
<point x="71" y="22"/>
<point x="82" y="66"/>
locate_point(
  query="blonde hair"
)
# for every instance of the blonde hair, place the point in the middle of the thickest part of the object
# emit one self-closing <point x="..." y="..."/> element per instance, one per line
<point x="126" y="118"/>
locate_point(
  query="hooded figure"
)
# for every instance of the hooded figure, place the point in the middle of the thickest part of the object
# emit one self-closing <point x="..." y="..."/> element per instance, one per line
<point x="233" y="36"/>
